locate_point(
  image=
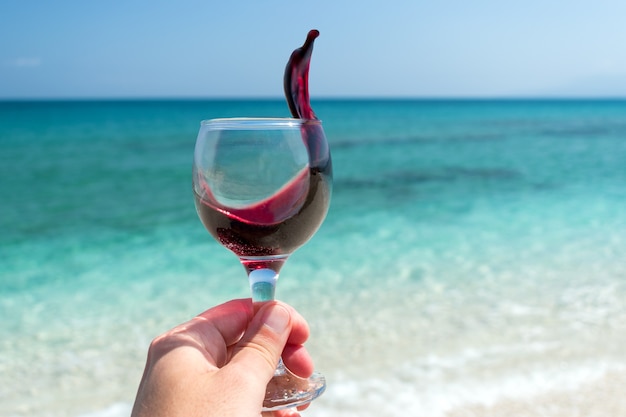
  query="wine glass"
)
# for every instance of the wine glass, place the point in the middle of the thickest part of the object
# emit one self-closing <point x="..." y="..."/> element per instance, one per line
<point x="262" y="188"/>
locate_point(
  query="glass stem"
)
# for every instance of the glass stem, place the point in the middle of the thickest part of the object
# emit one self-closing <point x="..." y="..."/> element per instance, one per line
<point x="262" y="285"/>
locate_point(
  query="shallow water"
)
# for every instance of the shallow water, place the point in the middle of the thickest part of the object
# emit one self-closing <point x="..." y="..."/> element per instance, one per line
<point x="472" y="259"/>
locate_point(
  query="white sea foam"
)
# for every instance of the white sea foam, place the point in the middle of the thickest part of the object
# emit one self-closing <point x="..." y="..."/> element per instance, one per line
<point x="421" y="391"/>
<point x="114" y="410"/>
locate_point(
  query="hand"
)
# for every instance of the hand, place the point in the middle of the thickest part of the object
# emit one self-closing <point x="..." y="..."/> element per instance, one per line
<point x="219" y="363"/>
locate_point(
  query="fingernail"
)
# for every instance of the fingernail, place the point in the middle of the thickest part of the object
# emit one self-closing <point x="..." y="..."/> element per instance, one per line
<point x="277" y="318"/>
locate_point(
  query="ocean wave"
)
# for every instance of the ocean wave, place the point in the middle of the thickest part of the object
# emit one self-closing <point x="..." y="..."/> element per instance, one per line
<point x="437" y="390"/>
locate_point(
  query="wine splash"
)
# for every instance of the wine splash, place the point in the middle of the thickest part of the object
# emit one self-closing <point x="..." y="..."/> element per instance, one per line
<point x="296" y="80"/>
<point x="296" y="84"/>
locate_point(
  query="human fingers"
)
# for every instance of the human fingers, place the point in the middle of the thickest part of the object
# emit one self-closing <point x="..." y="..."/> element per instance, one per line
<point x="297" y="359"/>
<point x="230" y="319"/>
<point x="258" y="351"/>
<point x="295" y="356"/>
<point x="299" y="327"/>
<point x="212" y="331"/>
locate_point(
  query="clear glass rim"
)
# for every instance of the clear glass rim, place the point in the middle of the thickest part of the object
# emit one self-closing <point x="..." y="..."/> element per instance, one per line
<point x="256" y="122"/>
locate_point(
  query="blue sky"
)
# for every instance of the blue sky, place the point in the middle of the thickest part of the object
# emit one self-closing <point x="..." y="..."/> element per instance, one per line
<point x="236" y="48"/>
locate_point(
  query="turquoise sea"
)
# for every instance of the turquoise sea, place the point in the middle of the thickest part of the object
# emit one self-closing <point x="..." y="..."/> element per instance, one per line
<point x="473" y="262"/>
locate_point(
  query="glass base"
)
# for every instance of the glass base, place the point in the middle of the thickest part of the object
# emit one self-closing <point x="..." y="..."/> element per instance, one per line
<point x="286" y="390"/>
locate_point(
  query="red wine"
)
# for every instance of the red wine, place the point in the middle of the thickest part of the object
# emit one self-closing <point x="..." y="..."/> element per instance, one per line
<point x="296" y="85"/>
<point x="248" y="233"/>
<point x="296" y="79"/>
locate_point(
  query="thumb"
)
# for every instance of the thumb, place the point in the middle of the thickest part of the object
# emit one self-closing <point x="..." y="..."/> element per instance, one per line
<point x="260" y="348"/>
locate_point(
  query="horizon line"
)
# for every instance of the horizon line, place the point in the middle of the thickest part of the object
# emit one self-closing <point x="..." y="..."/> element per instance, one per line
<point x="326" y="98"/>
